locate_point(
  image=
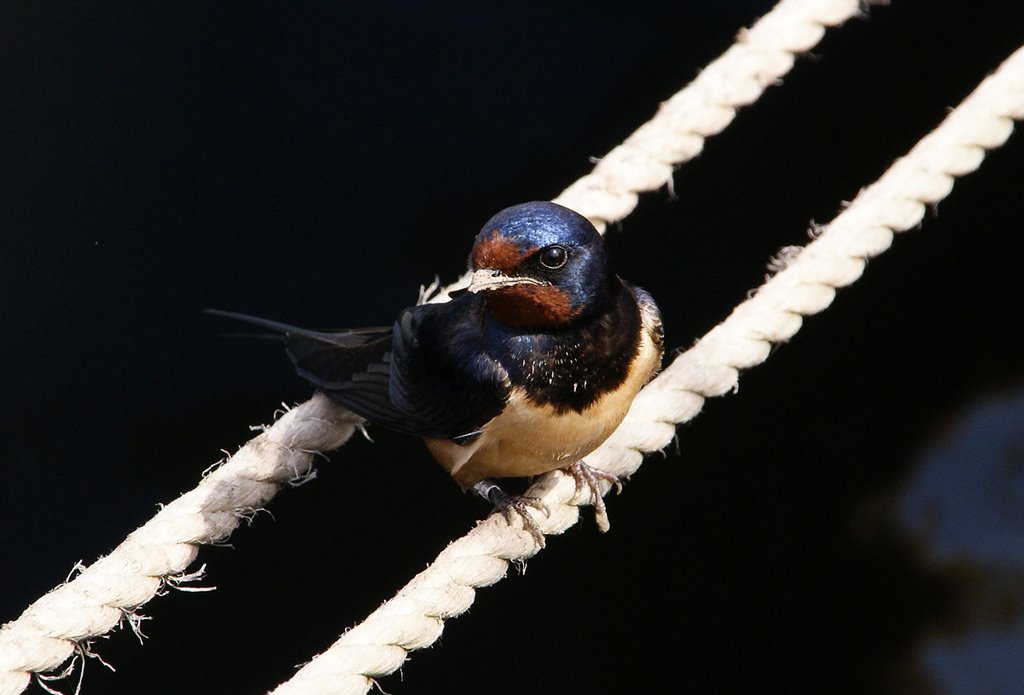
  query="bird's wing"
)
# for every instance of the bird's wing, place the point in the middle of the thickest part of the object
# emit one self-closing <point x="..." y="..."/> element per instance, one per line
<point x="427" y="375"/>
<point x="353" y="374"/>
<point x="441" y="376"/>
<point x="350" y="366"/>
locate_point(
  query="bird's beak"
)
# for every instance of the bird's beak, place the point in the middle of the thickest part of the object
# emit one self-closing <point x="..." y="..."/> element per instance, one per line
<point x="489" y="279"/>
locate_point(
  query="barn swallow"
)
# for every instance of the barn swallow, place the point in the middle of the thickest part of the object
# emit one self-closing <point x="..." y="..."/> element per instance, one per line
<point x="528" y="368"/>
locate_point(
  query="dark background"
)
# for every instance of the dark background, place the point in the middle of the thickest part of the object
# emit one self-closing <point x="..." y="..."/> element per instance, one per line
<point x="317" y="162"/>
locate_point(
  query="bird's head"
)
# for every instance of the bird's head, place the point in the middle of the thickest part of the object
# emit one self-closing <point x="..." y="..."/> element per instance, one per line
<point x="540" y="265"/>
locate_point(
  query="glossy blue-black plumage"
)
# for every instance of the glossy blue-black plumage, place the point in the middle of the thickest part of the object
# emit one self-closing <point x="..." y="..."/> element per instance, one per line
<point x="570" y="368"/>
<point x="443" y="371"/>
<point x="430" y="375"/>
<point x="539" y="224"/>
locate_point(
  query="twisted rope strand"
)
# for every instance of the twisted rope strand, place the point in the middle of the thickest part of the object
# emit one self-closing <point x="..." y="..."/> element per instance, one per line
<point x="759" y="57"/>
<point x="154" y="556"/>
<point x="60" y="624"/>
<point x="646" y="159"/>
<point x="806" y="285"/>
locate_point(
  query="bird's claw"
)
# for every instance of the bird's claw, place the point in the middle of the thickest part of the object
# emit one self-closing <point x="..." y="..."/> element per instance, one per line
<point x="589" y="477"/>
<point x="511" y="506"/>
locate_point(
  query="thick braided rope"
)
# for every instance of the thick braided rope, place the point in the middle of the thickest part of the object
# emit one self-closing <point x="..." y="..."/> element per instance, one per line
<point x="414" y="618"/>
<point x="758" y="58"/>
<point x="645" y="160"/>
<point x="63" y="621"/>
<point x="157" y="554"/>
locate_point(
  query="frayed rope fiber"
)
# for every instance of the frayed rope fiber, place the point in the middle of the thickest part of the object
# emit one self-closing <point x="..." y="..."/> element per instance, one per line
<point x="155" y="556"/>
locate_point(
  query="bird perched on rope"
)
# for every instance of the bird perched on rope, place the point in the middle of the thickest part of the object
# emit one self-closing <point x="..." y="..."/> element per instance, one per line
<point x="528" y="368"/>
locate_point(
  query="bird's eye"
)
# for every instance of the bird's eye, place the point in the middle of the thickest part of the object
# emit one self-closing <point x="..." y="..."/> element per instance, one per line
<point x="553" y="257"/>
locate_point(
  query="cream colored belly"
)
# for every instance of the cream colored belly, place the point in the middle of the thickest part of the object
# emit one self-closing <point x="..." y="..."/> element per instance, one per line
<point x="528" y="439"/>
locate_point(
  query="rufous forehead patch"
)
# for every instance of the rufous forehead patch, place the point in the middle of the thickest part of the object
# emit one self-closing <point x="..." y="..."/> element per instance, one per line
<point x="497" y="252"/>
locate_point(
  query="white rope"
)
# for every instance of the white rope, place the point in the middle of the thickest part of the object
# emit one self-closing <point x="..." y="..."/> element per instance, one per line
<point x="53" y="628"/>
<point x="760" y="56"/>
<point x="645" y="160"/>
<point x="61" y="623"/>
<point x="896" y="202"/>
<point x="155" y="556"/>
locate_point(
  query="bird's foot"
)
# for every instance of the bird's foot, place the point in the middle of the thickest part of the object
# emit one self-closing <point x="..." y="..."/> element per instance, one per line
<point x="589" y="477"/>
<point x="514" y="505"/>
